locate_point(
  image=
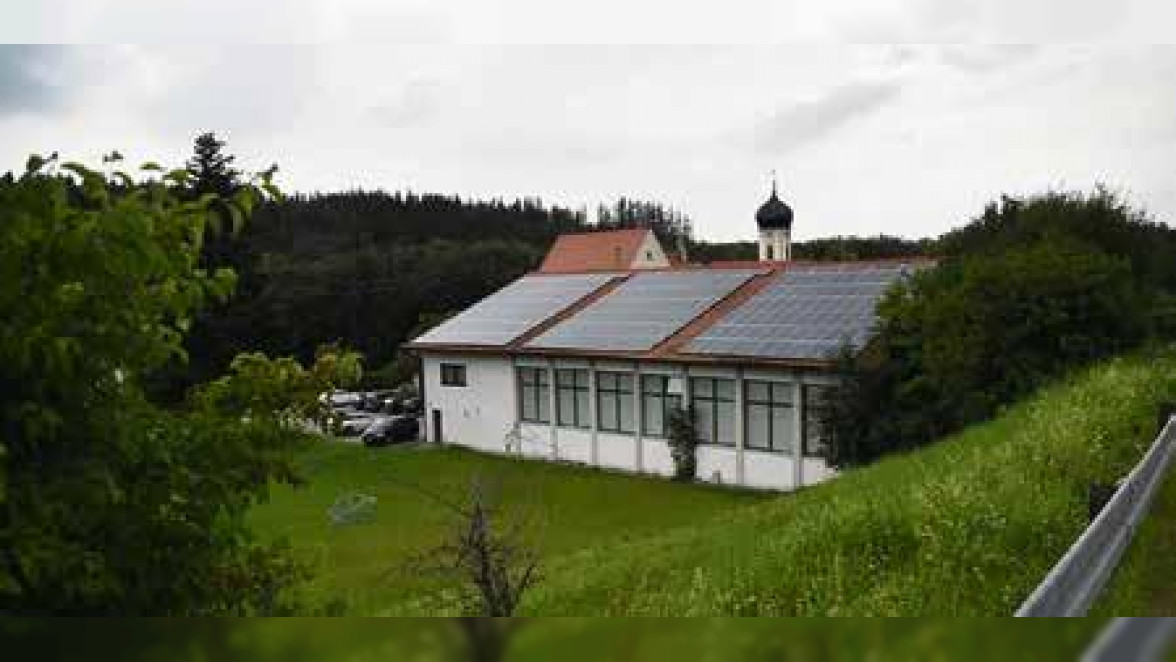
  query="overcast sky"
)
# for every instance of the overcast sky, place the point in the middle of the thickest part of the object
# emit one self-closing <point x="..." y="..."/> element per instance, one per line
<point x="867" y="138"/>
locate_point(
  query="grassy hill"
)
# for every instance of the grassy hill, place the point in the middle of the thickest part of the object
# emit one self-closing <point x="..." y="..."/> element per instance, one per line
<point x="968" y="526"/>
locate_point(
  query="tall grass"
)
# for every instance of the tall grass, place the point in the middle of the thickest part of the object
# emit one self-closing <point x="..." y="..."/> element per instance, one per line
<point x="968" y="526"/>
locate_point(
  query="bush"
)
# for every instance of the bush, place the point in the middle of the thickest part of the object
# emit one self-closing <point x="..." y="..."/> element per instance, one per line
<point x="683" y="442"/>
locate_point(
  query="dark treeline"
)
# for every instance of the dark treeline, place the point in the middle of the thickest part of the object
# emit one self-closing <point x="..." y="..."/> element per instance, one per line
<point x="367" y="268"/>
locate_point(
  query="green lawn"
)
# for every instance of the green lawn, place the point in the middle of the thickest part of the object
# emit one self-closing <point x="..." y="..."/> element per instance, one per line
<point x="371" y="566"/>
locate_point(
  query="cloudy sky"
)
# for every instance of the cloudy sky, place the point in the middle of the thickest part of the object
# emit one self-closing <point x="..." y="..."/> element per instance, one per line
<point x="895" y="116"/>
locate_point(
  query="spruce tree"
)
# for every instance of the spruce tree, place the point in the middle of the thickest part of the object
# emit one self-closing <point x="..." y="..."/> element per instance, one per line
<point x="211" y="168"/>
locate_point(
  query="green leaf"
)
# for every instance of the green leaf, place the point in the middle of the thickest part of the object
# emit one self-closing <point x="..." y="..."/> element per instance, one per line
<point x="179" y="176"/>
<point x="272" y="191"/>
<point x="237" y="219"/>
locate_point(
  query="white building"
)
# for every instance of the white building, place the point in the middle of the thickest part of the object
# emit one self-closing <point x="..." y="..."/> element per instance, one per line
<point x="583" y="366"/>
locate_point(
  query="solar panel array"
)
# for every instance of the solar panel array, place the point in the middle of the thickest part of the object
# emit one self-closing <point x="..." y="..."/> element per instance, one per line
<point x="515" y="309"/>
<point x="643" y="311"/>
<point x="809" y="312"/>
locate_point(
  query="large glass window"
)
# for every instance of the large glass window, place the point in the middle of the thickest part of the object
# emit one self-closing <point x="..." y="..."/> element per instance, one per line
<point x="656" y="404"/>
<point x="816" y="441"/>
<point x="534" y="395"/>
<point x="453" y="374"/>
<point x="714" y="410"/>
<point x="571" y="398"/>
<point x="769" y="410"/>
<point x="614" y="401"/>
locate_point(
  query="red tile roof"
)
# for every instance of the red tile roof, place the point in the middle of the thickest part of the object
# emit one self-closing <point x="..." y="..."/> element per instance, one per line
<point x="594" y="251"/>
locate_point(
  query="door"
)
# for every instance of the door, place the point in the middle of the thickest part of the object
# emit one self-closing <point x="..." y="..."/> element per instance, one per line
<point x="438" y="436"/>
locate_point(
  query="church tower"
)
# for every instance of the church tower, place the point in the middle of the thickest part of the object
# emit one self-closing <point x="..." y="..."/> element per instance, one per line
<point x="774" y="219"/>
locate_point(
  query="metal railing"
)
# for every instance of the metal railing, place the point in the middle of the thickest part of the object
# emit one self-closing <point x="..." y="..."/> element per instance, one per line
<point x="1132" y="640"/>
<point x="1072" y="586"/>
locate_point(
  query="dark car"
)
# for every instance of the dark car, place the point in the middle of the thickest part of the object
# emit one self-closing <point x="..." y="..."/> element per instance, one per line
<point x="392" y="430"/>
<point x="370" y="402"/>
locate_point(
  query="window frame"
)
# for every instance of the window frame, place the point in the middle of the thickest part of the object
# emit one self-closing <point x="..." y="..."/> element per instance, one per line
<point x="772" y="405"/>
<point x="618" y="395"/>
<point x="665" y="403"/>
<point x="580" y="398"/>
<point x="713" y="402"/>
<point x="448" y="372"/>
<point x="536" y="379"/>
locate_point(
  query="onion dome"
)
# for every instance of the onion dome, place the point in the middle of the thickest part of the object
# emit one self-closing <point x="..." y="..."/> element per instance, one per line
<point x="774" y="214"/>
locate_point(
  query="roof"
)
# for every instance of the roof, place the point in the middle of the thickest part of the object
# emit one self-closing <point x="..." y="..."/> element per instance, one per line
<point x="781" y="313"/>
<point x="614" y="250"/>
<point x="774" y="214"/>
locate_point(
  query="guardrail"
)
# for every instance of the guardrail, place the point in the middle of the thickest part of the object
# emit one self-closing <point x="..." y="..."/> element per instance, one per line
<point x="1132" y="640"/>
<point x="1072" y="586"/>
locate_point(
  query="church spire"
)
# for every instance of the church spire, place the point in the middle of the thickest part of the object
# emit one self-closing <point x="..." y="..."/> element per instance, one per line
<point x="774" y="219"/>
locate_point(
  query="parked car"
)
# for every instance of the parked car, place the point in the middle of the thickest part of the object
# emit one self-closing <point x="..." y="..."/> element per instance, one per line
<point x="391" y="430"/>
<point x="411" y="405"/>
<point x="338" y="399"/>
<point x="370" y="402"/>
<point x="356" y="423"/>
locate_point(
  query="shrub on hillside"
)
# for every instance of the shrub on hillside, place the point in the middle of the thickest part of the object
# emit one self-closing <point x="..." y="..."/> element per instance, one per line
<point x="1028" y="291"/>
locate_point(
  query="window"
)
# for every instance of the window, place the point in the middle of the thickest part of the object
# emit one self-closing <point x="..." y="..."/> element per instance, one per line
<point x="534" y="395"/>
<point x="714" y="410"/>
<point x="453" y="374"/>
<point x="656" y="404"/>
<point x="614" y="402"/>
<point x="571" y="398"/>
<point x="769" y="416"/>
<point x="816" y="442"/>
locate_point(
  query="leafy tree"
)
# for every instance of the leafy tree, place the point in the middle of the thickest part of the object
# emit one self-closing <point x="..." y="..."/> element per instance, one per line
<point x="1031" y="289"/>
<point x="109" y="504"/>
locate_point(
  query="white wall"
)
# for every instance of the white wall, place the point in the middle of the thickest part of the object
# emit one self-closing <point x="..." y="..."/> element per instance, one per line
<point x="716" y="464"/>
<point x="767" y="470"/>
<point x="656" y="458"/>
<point x="481" y="414"/>
<point x="478" y="415"/>
<point x="573" y="445"/>
<point x="651" y="255"/>
<point x="779" y="241"/>
<point x="616" y="451"/>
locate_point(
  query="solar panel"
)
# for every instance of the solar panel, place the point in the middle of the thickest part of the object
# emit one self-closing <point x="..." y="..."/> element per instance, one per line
<point x="514" y="310"/>
<point x="643" y="311"/>
<point x="809" y="312"/>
